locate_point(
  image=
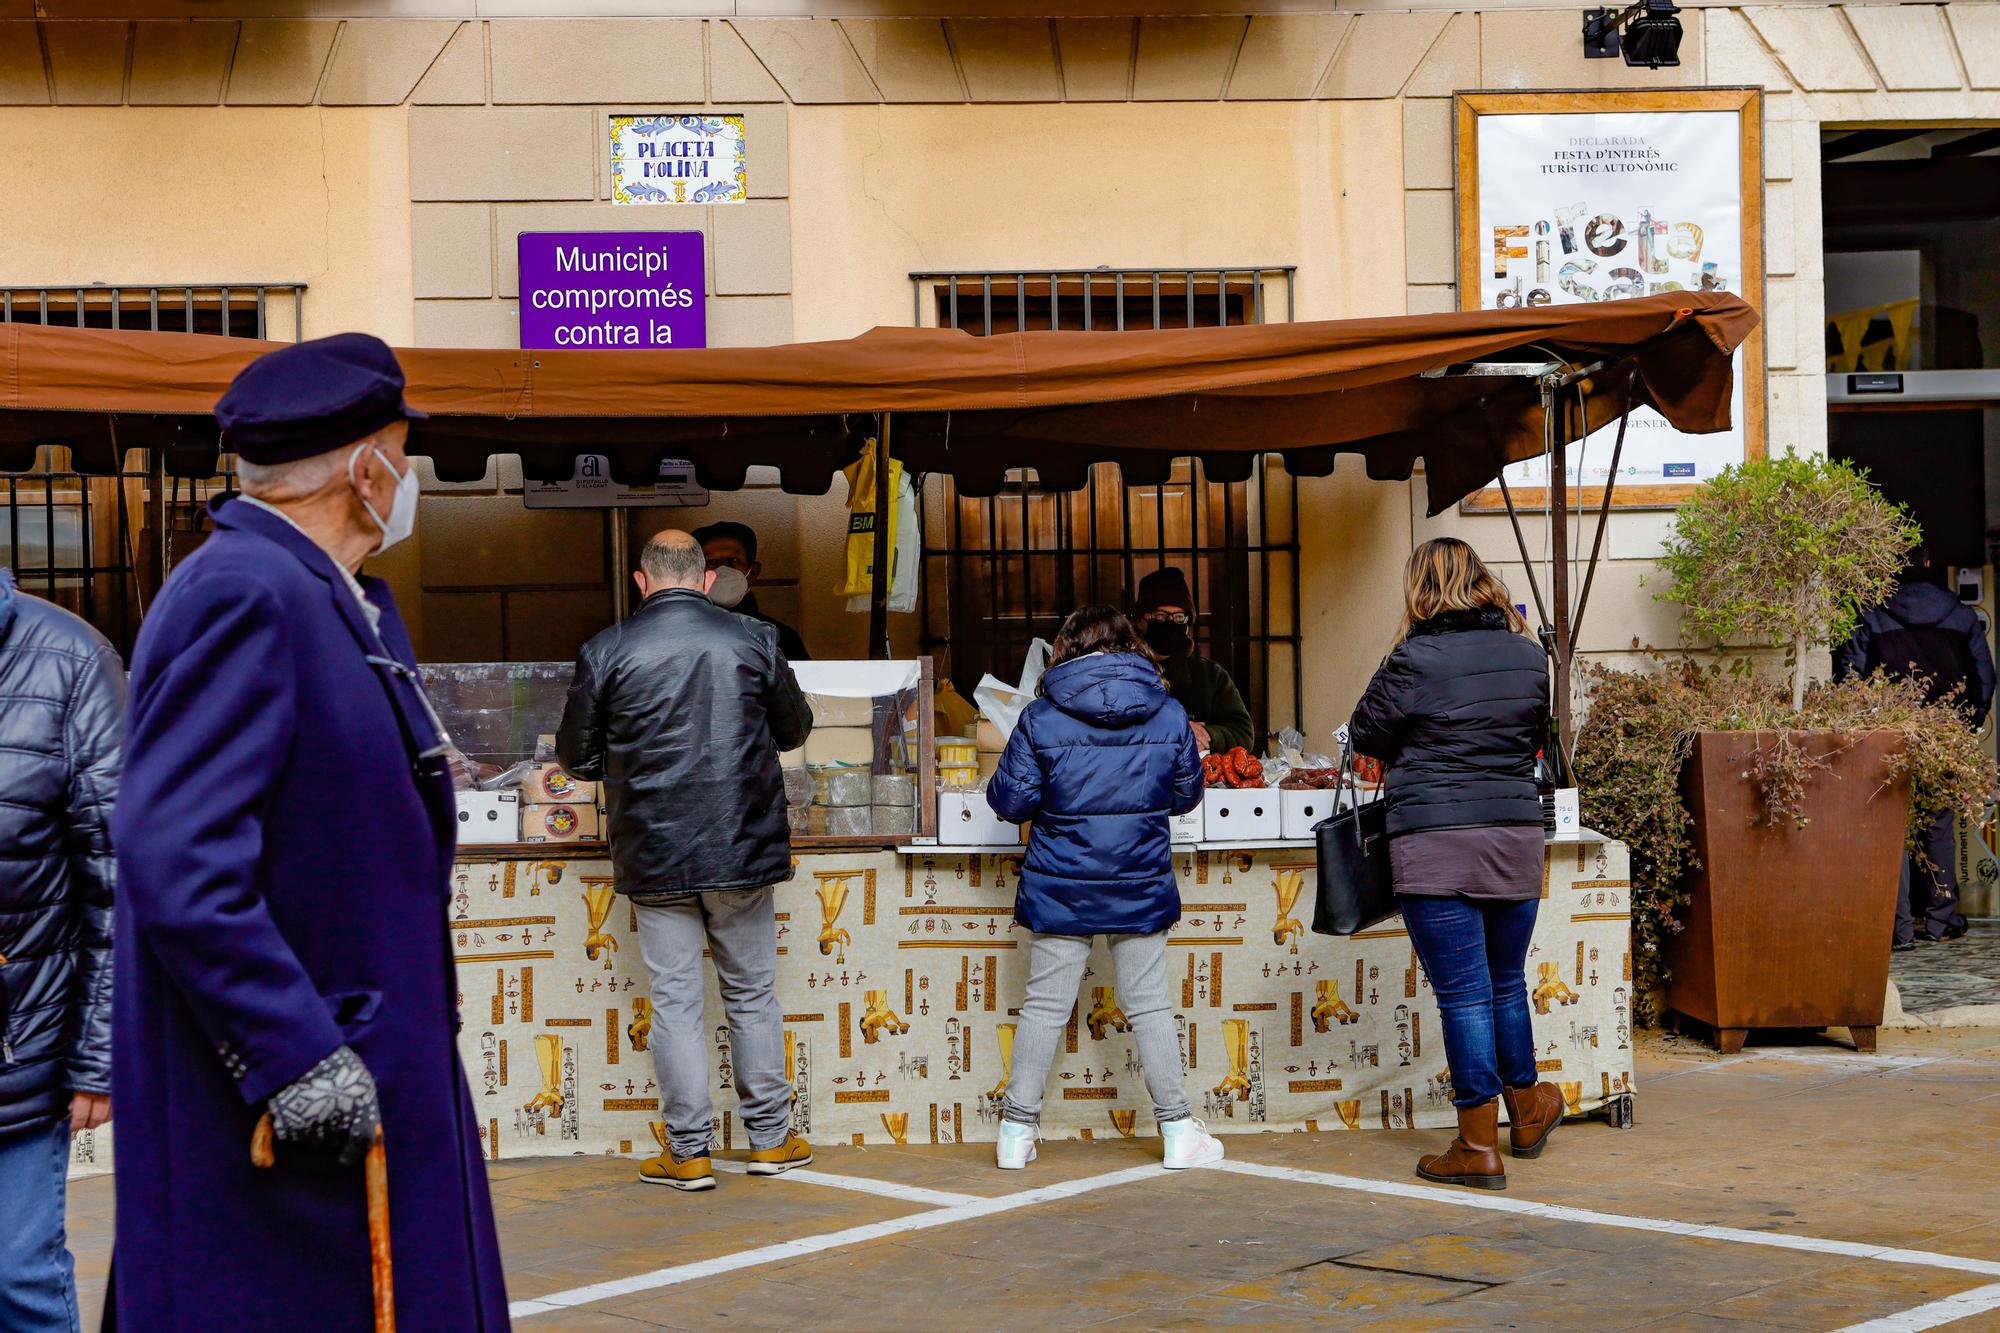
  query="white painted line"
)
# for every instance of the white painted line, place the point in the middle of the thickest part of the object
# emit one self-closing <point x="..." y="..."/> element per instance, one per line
<point x="1496" y="1203"/>
<point x="833" y="1240"/>
<point x="888" y="1189"/>
<point x="1950" y="1310"/>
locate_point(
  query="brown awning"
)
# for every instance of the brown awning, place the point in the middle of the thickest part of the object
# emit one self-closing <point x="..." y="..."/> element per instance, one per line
<point x="973" y="407"/>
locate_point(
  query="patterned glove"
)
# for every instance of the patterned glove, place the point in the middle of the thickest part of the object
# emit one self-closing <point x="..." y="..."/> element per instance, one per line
<point x="333" y="1107"/>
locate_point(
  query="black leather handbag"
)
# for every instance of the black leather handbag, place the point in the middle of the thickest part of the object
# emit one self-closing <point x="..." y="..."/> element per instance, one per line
<point x="1355" y="889"/>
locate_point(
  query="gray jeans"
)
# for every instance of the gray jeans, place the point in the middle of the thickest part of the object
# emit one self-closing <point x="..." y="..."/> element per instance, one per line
<point x="740" y="930"/>
<point x="1055" y="973"/>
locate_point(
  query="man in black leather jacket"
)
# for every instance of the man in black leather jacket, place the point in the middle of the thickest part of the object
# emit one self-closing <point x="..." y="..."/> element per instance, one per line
<point x="62" y="726"/>
<point x="681" y="712"/>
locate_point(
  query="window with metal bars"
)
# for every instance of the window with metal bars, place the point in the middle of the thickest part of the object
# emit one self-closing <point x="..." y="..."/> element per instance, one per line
<point x="101" y="546"/>
<point x="1002" y="571"/>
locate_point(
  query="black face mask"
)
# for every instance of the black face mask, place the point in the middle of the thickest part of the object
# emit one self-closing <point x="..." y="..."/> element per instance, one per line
<point x="1166" y="638"/>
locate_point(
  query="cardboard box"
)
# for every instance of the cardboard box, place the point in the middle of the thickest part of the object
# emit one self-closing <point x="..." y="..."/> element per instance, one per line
<point x="833" y="711"/>
<point x="841" y="745"/>
<point x="551" y="784"/>
<point x="1247" y="814"/>
<point x="1300" y="811"/>
<point x="488" y="818"/>
<point x="1185" y="830"/>
<point x="965" y="820"/>
<point x="560" y="823"/>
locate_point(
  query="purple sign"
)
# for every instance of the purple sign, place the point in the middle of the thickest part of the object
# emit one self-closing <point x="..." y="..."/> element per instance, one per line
<point x="613" y="289"/>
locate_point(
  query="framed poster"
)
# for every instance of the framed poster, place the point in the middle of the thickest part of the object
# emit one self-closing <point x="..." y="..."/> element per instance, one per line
<point x="1595" y="196"/>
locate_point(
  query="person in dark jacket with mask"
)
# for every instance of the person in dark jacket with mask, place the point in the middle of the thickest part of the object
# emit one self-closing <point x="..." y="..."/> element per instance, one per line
<point x="682" y="712"/>
<point x="62" y="732"/>
<point x="1099" y="763"/>
<point x="1457" y="713"/>
<point x="1924" y="632"/>
<point x="1215" y="709"/>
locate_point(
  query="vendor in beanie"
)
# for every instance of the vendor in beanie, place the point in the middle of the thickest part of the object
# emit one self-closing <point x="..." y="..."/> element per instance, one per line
<point x="1165" y="612"/>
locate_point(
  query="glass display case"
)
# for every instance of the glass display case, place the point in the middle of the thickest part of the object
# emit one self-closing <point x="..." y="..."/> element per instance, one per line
<point x="866" y="776"/>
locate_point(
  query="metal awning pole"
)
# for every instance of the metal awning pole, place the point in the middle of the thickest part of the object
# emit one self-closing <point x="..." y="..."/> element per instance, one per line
<point x="1521" y="540"/>
<point x="878" y="591"/>
<point x="1604" y="513"/>
<point x="1565" y="642"/>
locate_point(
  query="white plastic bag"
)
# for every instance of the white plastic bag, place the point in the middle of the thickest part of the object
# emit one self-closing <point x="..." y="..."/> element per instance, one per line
<point x="1002" y="704"/>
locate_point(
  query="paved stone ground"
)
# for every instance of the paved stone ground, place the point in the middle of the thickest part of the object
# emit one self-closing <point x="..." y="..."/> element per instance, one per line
<point x="1951" y="973"/>
<point x="1805" y="1162"/>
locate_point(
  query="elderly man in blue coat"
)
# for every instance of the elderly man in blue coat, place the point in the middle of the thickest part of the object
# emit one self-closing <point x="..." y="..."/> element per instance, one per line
<point x="284" y="838"/>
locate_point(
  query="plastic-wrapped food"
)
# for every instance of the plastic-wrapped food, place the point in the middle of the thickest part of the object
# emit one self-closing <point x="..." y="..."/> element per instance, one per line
<point x="894" y="789"/>
<point x="798" y="787"/>
<point x="895" y="820"/>
<point x="849" y="787"/>
<point x="850" y="821"/>
<point x="1312" y="779"/>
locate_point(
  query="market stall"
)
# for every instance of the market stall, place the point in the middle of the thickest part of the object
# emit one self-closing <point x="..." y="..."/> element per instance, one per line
<point x="900" y="967"/>
<point x="899" y="960"/>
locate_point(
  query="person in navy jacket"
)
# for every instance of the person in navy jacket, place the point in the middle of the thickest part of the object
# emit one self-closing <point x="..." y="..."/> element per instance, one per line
<point x="1099" y="763"/>
<point x="285" y="837"/>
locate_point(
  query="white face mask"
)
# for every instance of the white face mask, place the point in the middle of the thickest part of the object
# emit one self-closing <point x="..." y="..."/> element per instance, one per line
<point x="730" y="586"/>
<point x="402" y="520"/>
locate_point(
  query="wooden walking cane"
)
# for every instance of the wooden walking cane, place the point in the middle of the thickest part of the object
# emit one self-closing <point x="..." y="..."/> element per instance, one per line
<point x="263" y="1154"/>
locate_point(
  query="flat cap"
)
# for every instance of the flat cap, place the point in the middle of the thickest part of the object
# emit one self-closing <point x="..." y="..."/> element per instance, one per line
<point x="307" y="398"/>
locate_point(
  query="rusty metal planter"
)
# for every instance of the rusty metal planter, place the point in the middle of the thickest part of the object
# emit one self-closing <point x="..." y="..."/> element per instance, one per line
<point x="1789" y="927"/>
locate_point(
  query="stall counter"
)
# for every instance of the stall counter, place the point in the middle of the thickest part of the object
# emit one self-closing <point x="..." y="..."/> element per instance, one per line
<point x="900" y="972"/>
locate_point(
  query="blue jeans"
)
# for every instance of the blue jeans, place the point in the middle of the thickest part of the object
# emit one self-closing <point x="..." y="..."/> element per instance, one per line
<point x="37" y="1275"/>
<point x="1475" y="950"/>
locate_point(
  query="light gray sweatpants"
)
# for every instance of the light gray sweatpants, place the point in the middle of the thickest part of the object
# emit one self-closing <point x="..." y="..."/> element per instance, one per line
<point x="1055" y="973"/>
<point x="739" y="927"/>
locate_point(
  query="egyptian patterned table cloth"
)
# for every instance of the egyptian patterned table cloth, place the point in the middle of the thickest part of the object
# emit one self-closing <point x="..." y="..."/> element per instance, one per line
<point x="900" y="975"/>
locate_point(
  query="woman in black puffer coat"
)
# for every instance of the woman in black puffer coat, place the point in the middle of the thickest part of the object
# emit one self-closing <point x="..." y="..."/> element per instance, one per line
<point x="1457" y="713"/>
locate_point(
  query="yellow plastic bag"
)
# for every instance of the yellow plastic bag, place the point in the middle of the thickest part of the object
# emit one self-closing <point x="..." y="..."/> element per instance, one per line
<point x="860" y="575"/>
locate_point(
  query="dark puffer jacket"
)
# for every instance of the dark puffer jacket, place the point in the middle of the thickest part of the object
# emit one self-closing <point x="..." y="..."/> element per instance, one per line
<point x="1924" y="631"/>
<point x="1098" y="763"/>
<point x="682" y="712"/>
<point x="62" y="734"/>
<point x="1457" y="713"/>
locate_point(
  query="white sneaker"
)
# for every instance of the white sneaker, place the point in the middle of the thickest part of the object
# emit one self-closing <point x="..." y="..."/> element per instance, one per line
<point x="1188" y="1143"/>
<point x="1015" y="1147"/>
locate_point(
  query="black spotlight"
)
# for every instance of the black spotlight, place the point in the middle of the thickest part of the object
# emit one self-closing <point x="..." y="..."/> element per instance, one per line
<point x="1652" y="36"/>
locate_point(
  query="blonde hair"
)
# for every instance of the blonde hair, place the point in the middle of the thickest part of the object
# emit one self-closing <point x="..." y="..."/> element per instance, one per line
<point x="1445" y="574"/>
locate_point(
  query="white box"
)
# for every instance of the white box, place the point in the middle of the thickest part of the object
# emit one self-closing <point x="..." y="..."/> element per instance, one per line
<point x="965" y="820"/>
<point x="1241" y="814"/>
<point x="488" y="818"/>
<point x="1300" y="811"/>
<point x="1183" y="830"/>
<point x="1569" y="812"/>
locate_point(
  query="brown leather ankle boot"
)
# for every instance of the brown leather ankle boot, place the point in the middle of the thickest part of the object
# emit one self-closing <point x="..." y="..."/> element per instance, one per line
<point x="1473" y="1157"/>
<point x="1533" y="1113"/>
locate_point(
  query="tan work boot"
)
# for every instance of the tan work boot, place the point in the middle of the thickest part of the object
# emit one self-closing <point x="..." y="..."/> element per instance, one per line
<point x="1473" y="1158"/>
<point x="793" y="1152"/>
<point x="689" y="1174"/>
<point x="1533" y="1113"/>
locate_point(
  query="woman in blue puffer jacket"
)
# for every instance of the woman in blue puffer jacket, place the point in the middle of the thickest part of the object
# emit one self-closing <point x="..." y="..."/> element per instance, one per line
<point x="1099" y="763"/>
